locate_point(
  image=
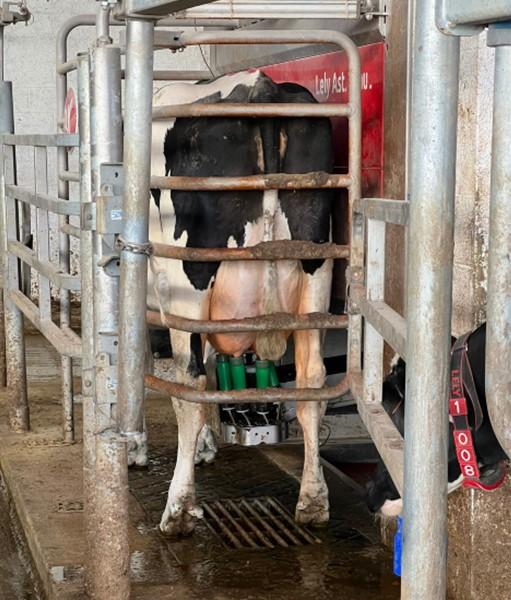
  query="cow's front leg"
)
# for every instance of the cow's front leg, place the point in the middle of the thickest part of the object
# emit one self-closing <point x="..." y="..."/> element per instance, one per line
<point x="312" y="507"/>
<point x="182" y="511"/>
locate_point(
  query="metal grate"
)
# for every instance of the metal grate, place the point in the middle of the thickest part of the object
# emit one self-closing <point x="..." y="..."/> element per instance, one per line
<point x="255" y="523"/>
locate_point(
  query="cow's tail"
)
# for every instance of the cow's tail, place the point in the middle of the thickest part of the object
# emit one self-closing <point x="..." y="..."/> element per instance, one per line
<point x="270" y="345"/>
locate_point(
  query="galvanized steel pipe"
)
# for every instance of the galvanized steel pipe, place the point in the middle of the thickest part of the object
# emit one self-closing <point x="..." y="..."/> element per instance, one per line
<point x="498" y="317"/>
<point x="277" y="250"/>
<point x="435" y="62"/>
<point x="108" y="550"/>
<point x="273" y="322"/>
<point x="111" y="556"/>
<point x="189" y="394"/>
<point x="273" y="181"/>
<point x="137" y="175"/>
<point x="87" y="295"/>
<point x="6" y="126"/>
<point x="251" y="110"/>
<point x="15" y="373"/>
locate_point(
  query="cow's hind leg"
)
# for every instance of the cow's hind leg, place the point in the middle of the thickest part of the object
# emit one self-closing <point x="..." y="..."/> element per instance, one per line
<point x="182" y="510"/>
<point x="313" y="506"/>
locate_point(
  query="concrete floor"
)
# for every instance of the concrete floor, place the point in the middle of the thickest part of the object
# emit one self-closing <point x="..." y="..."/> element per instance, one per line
<point x="43" y="477"/>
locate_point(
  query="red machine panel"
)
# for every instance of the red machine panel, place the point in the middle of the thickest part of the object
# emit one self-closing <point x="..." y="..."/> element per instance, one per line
<point x="326" y="77"/>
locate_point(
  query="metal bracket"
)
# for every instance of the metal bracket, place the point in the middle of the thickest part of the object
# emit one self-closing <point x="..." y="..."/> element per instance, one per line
<point x="88" y="216"/>
<point x="108" y="345"/>
<point x="378" y="9"/>
<point x="88" y="381"/>
<point x="355" y="275"/>
<point x="499" y="34"/>
<point x="11" y="16"/>
<point x="108" y="211"/>
<point x="170" y="40"/>
<point x="109" y="218"/>
<point x="106" y="379"/>
<point x="469" y="17"/>
<point x="111" y="263"/>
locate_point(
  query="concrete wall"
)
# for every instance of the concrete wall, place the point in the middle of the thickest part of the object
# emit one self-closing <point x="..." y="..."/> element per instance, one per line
<point x="30" y="65"/>
<point x="473" y="183"/>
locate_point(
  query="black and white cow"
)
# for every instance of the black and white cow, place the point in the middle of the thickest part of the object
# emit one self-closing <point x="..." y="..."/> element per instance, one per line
<point x="235" y="147"/>
<point x="381" y="493"/>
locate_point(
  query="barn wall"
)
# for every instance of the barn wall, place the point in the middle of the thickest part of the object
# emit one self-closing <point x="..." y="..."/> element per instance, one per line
<point x="30" y="65"/>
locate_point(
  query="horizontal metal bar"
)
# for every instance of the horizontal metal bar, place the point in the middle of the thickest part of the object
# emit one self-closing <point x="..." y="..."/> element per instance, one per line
<point x="64" y="340"/>
<point x="228" y="110"/>
<point x="384" y="433"/>
<point x="274" y="181"/>
<point x="381" y="209"/>
<point x="163" y="75"/>
<point x="276" y="9"/>
<point x="253" y="395"/>
<point x="274" y="322"/>
<point x="387" y="322"/>
<point x="278" y="250"/>
<point x="45" y="268"/>
<point x="55" y="205"/>
<point x="57" y="140"/>
<point x="70" y="230"/>
<point x="468" y="16"/>
<point x="67" y="67"/>
<point x="70" y="176"/>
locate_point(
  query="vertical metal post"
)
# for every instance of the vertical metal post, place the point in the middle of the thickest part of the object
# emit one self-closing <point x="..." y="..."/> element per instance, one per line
<point x="3" y="366"/>
<point x="111" y="568"/>
<point x="356" y="225"/>
<point x="137" y="165"/>
<point x="16" y="375"/>
<point x="87" y="290"/>
<point x="375" y="286"/>
<point x="64" y="263"/>
<point x="6" y="126"/>
<point x="107" y="513"/>
<point x="498" y="328"/>
<point x="435" y="59"/>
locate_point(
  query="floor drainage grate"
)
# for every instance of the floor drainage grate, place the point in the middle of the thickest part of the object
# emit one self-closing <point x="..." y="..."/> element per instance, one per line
<point x="255" y="523"/>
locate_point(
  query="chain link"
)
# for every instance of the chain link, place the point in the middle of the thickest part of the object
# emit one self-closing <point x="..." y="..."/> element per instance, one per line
<point x="122" y="244"/>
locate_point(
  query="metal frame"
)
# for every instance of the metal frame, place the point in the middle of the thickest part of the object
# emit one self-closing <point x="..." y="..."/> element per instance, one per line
<point x="138" y="183"/>
<point x="17" y="299"/>
<point x="243" y="9"/>
<point x="113" y="376"/>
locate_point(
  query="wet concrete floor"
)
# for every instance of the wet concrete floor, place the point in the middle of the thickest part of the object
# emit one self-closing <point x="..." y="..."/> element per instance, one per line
<point x="44" y="477"/>
<point x="17" y="581"/>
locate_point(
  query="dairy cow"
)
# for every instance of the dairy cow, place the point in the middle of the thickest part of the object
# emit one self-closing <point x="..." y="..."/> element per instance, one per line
<point x="236" y="147"/>
<point x="381" y="493"/>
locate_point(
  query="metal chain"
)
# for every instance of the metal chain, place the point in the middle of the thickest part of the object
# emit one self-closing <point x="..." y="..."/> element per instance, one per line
<point x="122" y="244"/>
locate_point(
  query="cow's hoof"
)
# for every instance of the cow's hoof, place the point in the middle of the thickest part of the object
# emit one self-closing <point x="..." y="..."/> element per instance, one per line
<point x="312" y="507"/>
<point x="137" y="450"/>
<point x="180" y="518"/>
<point x="206" y="446"/>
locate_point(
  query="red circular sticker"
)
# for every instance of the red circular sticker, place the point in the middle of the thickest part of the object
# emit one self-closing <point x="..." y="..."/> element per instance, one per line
<point x="70" y="112"/>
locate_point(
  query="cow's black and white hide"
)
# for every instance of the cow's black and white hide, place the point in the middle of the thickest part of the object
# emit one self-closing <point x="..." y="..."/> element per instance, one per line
<point x="381" y="493"/>
<point x="236" y="147"/>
